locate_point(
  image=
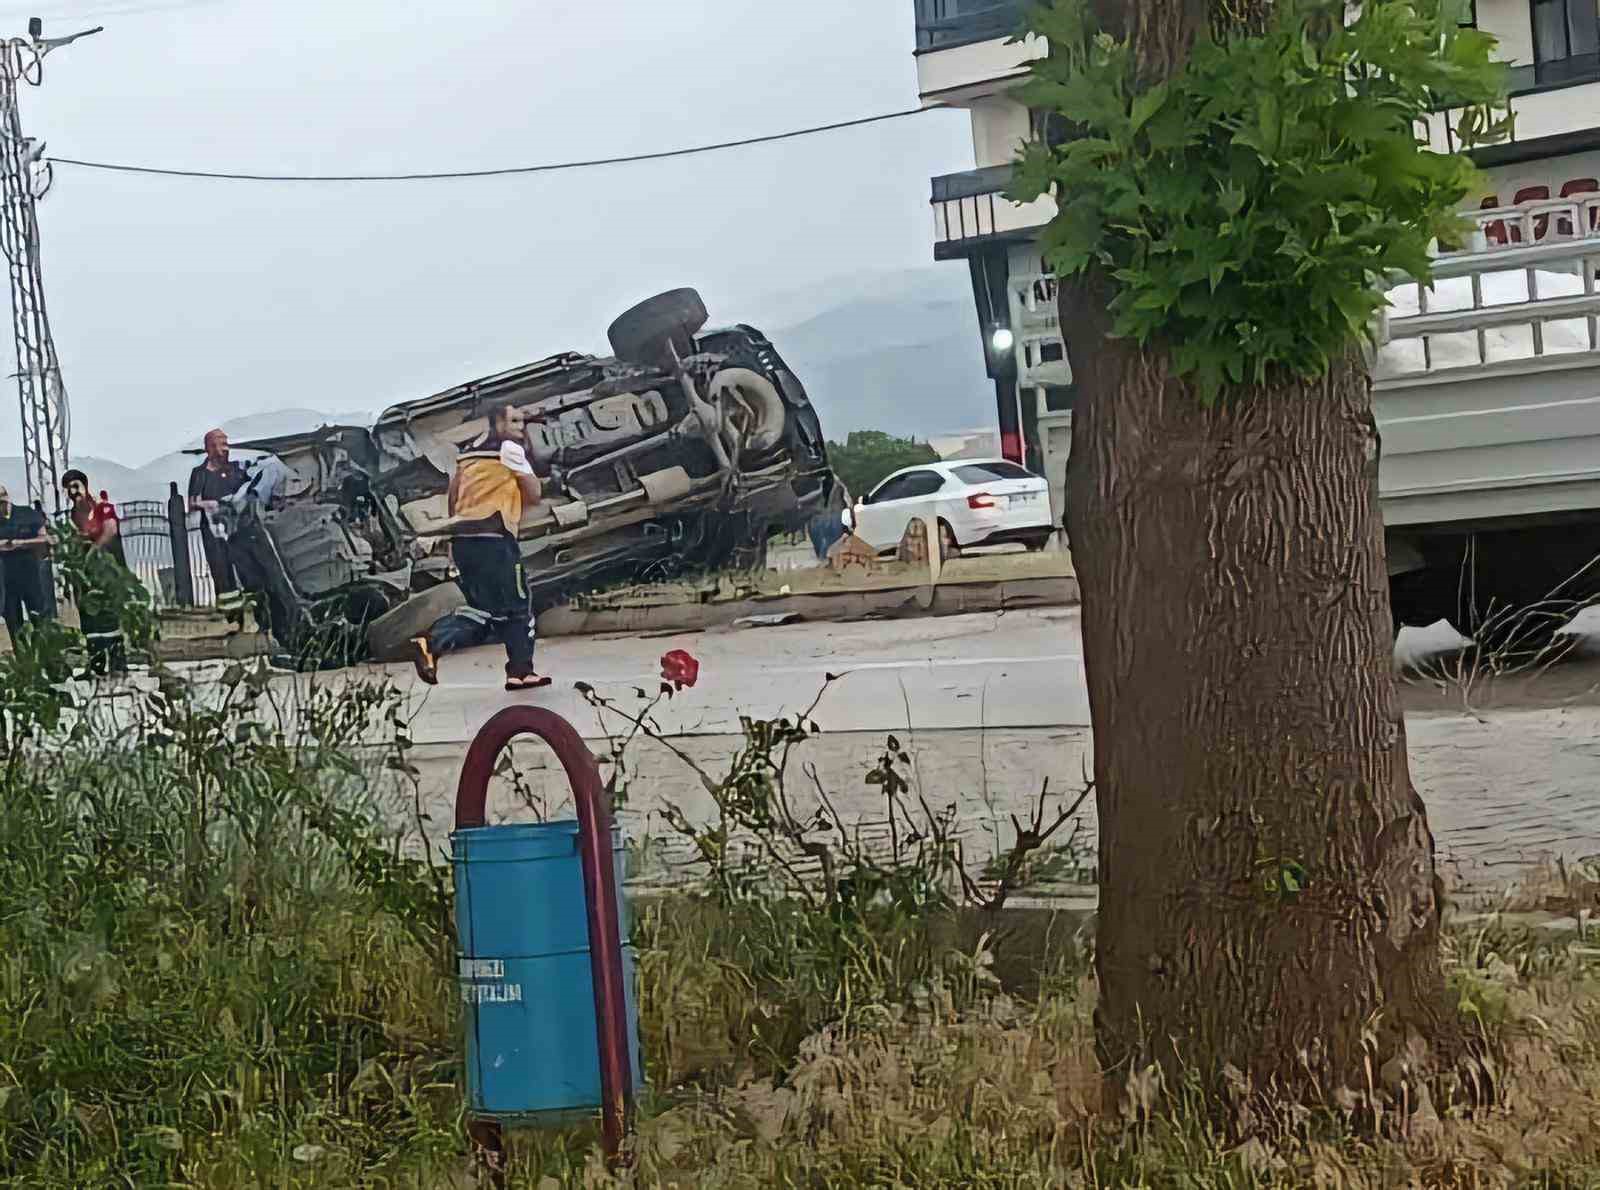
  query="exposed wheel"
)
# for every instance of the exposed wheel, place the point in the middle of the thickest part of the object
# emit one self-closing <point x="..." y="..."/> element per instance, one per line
<point x="388" y="634"/>
<point x="1034" y="544"/>
<point x="752" y="407"/>
<point x="644" y="334"/>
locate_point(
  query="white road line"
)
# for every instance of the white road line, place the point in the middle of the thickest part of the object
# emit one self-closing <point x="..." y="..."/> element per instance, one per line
<point x="835" y="665"/>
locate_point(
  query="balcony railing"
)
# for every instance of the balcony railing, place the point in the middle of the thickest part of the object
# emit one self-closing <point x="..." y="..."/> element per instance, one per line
<point x="1523" y="306"/>
<point x="1541" y="110"/>
<point x="971" y="206"/>
<point x="1542" y="221"/>
<point x="944" y="24"/>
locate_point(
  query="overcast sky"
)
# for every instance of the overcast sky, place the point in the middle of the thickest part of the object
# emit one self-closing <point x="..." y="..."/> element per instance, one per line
<point x="178" y="303"/>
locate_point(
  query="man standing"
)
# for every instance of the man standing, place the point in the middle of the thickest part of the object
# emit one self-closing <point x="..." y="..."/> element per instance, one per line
<point x="827" y="526"/>
<point x="99" y="609"/>
<point x="214" y="480"/>
<point x="24" y="550"/>
<point x="492" y="484"/>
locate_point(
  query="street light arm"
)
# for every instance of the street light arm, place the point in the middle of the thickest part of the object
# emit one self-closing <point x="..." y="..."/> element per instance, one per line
<point x="46" y="44"/>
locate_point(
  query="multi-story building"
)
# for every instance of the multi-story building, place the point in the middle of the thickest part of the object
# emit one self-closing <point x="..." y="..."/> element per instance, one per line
<point x="967" y="57"/>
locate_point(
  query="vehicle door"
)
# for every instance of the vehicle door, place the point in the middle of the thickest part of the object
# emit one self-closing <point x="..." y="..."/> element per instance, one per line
<point x="883" y="518"/>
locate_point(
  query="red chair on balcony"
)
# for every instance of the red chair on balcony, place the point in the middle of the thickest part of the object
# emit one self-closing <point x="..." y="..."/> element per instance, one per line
<point x="1494" y="232"/>
<point x="1574" y="188"/>
<point x="1541" y="223"/>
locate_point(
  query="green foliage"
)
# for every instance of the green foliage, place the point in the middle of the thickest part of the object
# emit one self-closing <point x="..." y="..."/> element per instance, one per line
<point x="866" y="457"/>
<point x="216" y="965"/>
<point x="1246" y="209"/>
<point x="98" y="584"/>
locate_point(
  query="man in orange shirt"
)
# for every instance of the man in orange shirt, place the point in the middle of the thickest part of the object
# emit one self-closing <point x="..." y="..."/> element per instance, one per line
<point x="99" y="617"/>
<point x="492" y="484"/>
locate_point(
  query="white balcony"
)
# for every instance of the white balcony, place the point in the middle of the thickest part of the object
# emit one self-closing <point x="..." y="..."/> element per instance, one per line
<point x="969" y="209"/>
<point x="1540" y="113"/>
<point x="964" y="48"/>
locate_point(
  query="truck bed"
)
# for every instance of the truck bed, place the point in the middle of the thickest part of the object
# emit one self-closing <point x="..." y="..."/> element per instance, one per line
<point x="1488" y="390"/>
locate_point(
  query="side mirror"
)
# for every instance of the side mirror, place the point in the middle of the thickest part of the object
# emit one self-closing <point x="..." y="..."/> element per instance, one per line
<point x="848" y="518"/>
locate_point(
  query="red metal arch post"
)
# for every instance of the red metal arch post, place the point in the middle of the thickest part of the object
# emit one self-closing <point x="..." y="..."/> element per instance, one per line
<point x="599" y="884"/>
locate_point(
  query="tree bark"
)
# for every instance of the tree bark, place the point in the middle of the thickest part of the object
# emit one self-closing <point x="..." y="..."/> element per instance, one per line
<point x="1238" y="647"/>
<point x="1239" y="655"/>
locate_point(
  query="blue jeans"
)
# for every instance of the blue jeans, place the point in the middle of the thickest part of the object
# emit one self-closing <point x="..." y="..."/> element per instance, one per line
<point x="825" y="529"/>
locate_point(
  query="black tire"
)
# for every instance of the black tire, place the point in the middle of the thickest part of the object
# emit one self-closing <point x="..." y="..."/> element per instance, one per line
<point x="1035" y="544"/>
<point x="388" y="634"/>
<point x="643" y="334"/>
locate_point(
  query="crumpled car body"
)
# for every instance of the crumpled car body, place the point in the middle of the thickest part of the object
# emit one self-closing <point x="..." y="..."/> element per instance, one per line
<point x="687" y="456"/>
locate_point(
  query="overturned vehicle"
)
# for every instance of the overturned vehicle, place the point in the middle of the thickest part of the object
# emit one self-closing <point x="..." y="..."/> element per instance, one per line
<point x="684" y="452"/>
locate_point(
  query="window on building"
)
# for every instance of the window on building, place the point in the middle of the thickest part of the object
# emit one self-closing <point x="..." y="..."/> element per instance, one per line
<point x="1564" y="29"/>
<point x="1060" y="398"/>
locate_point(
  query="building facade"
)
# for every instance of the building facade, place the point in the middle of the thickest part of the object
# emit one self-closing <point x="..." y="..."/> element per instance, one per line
<point x="967" y="57"/>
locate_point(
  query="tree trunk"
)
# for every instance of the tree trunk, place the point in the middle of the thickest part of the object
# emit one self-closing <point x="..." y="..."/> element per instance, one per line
<point x="1268" y="897"/>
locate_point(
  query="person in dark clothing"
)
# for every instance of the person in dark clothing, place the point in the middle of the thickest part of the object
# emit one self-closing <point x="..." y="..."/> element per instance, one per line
<point x="492" y="484"/>
<point x="214" y="480"/>
<point x="828" y="525"/>
<point x="98" y="614"/>
<point x="47" y="575"/>
<point x="24" y="550"/>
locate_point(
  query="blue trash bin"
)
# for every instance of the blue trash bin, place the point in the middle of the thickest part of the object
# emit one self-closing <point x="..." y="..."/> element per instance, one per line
<point x="527" y="989"/>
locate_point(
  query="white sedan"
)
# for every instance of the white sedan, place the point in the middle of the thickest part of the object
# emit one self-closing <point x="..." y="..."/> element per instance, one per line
<point x="973" y="502"/>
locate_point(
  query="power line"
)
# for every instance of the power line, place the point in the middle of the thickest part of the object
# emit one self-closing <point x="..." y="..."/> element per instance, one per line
<point x="117" y="167"/>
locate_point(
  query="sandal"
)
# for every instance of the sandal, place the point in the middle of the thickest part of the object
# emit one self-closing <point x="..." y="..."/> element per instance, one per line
<point x="427" y="665"/>
<point x="526" y="682"/>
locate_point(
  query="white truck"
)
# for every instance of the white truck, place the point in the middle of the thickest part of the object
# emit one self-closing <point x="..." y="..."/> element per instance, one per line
<point x="1488" y="401"/>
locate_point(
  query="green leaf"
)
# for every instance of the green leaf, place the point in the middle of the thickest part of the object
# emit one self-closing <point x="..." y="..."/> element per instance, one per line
<point x="1146" y="104"/>
<point x="1242" y="209"/>
<point x="1270" y="118"/>
<point x="1071" y="241"/>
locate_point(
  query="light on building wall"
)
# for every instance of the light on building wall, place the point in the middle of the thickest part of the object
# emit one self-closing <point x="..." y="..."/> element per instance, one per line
<point x="1002" y="339"/>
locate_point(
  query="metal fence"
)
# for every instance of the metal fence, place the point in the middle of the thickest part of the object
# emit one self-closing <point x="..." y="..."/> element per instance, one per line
<point x="161" y="540"/>
<point x="944" y="24"/>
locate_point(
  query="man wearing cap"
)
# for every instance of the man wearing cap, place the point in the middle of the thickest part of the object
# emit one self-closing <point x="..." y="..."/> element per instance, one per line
<point x="24" y="550"/>
<point x="215" y="479"/>
<point x="98" y="613"/>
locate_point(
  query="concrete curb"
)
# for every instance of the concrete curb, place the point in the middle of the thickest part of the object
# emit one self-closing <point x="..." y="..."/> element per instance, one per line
<point x="946" y="599"/>
<point x="883" y="603"/>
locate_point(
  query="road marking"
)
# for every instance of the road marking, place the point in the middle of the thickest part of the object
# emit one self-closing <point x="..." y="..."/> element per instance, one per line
<point x="835" y="665"/>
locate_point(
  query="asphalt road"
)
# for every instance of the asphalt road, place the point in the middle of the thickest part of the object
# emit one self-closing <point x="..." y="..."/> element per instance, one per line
<point x="994" y="704"/>
<point x="1020" y="669"/>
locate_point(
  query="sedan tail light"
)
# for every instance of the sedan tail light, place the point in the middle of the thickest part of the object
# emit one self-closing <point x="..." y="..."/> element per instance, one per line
<point x="981" y="500"/>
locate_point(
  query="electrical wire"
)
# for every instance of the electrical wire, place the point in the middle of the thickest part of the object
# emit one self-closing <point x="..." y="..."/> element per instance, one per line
<point x="552" y="167"/>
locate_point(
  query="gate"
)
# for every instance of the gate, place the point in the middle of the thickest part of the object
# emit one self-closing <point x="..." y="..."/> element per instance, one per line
<point x="161" y="541"/>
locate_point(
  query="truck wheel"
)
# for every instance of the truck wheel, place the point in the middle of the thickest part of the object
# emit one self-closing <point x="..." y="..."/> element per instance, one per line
<point x="643" y="334"/>
<point x="388" y="634"/>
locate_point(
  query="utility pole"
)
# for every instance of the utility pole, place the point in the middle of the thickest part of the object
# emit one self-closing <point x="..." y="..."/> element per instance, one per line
<point x="24" y="178"/>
